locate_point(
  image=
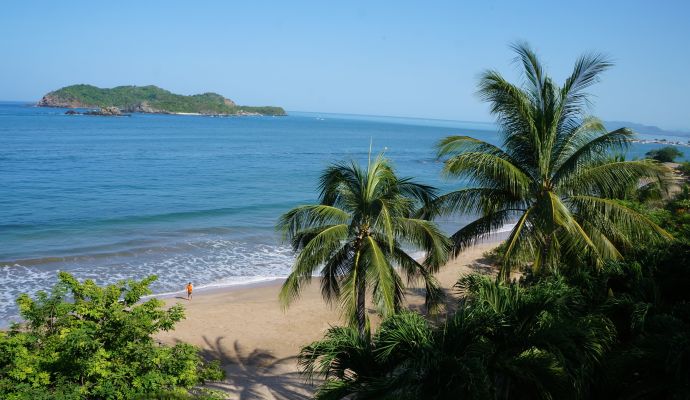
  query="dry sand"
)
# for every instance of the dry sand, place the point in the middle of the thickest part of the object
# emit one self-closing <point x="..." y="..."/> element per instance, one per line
<point x="257" y="342"/>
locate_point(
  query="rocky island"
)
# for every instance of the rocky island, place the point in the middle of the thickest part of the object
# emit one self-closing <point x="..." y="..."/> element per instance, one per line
<point x="149" y="99"/>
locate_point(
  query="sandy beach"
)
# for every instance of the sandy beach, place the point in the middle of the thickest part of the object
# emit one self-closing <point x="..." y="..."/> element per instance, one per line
<point x="257" y="342"/>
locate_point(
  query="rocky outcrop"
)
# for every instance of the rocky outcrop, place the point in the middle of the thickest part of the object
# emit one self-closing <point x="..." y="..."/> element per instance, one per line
<point x="144" y="107"/>
<point x="106" y="112"/>
<point x="52" y="100"/>
<point x="102" y="112"/>
<point x="248" y="113"/>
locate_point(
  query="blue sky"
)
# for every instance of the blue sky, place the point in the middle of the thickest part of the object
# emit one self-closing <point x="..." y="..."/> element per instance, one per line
<point x="416" y="59"/>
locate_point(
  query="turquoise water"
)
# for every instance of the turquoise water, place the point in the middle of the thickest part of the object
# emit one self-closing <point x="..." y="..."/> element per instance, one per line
<point x="184" y="197"/>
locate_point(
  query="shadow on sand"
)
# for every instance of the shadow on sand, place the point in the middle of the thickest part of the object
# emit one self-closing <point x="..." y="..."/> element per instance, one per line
<point x="484" y="266"/>
<point x="255" y="374"/>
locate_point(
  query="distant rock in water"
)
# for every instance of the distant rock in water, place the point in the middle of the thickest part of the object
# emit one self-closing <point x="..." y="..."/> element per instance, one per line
<point x="148" y="99"/>
<point x="103" y="112"/>
<point x="107" y="112"/>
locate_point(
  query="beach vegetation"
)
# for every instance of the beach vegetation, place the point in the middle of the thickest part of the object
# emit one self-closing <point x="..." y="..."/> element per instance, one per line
<point x="357" y="235"/>
<point x="84" y="341"/>
<point x="665" y="154"/>
<point x="621" y="331"/>
<point x="504" y="342"/>
<point x="684" y="168"/>
<point x="553" y="175"/>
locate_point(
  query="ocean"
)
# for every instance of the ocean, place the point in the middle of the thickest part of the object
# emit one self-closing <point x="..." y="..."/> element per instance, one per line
<point x="187" y="198"/>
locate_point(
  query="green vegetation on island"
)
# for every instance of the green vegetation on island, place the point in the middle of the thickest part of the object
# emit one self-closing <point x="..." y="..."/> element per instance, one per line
<point x="150" y="99"/>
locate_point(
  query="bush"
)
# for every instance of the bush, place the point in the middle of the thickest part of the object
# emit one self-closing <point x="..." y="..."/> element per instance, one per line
<point x="684" y="168"/>
<point x="664" y="154"/>
<point x="82" y="341"/>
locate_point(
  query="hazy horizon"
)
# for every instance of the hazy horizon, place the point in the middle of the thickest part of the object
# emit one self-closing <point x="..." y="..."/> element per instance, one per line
<point x="389" y="59"/>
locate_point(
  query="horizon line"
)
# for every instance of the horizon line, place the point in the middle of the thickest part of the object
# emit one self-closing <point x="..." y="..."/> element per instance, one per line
<point x="683" y="131"/>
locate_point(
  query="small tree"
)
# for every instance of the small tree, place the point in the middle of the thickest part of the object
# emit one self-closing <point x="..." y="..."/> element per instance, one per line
<point x="664" y="154"/>
<point x="83" y="341"/>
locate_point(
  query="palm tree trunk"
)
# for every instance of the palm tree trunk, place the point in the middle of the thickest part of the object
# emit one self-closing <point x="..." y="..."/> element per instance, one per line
<point x="361" y="306"/>
<point x="545" y="263"/>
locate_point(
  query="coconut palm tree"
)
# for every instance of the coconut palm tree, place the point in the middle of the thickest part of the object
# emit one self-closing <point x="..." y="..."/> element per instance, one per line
<point x="356" y="236"/>
<point x="504" y="342"/>
<point x="553" y="175"/>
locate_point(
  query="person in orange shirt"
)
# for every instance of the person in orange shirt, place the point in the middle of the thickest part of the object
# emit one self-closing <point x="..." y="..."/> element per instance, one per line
<point x="189" y="291"/>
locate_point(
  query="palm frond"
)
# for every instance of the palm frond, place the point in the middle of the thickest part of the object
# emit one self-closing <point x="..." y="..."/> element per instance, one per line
<point x="381" y="274"/>
<point x="488" y="169"/>
<point x="614" y="179"/>
<point x="320" y="248"/>
<point x="628" y="221"/>
<point x="309" y="216"/>
<point x="426" y="236"/>
<point x="593" y="151"/>
<point x="479" y="229"/>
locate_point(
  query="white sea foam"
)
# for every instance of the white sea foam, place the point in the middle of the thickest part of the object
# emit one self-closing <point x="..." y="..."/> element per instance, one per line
<point x="215" y="263"/>
<point x="208" y="264"/>
<point x="506" y="228"/>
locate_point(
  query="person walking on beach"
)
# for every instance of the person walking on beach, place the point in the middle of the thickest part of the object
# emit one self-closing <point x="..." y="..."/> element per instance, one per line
<point x="189" y="291"/>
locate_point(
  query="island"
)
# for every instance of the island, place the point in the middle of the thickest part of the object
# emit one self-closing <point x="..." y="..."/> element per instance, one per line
<point x="149" y="99"/>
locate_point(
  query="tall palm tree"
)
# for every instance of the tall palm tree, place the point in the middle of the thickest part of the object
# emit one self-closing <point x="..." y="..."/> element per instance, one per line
<point x="553" y="174"/>
<point x="356" y="237"/>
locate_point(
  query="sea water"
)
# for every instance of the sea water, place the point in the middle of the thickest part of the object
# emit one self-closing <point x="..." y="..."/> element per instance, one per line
<point x="187" y="198"/>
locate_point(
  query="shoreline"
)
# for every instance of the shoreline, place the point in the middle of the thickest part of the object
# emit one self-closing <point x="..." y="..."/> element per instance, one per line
<point x="257" y="341"/>
<point x="263" y="281"/>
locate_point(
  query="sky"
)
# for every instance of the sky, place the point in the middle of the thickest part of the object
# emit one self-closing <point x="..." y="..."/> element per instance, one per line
<point x="397" y="58"/>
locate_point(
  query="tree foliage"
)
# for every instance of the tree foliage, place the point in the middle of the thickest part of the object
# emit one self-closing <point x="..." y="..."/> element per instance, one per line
<point x="83" y="341"/>
<point x="621" y="332"/>
<point x="355" y="236"/>
<point x="647" y="299"/>
<point x="553" y="174"/>
<point x="505" y="342"/>
<point x="665" y="154"/>
<point x="155" y="98"/>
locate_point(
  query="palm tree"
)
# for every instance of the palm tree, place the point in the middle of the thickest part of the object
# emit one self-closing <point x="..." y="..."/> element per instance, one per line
<point x="553" y="174"/>
<point x="356" y="237"/>
<point x="504" y="342"/>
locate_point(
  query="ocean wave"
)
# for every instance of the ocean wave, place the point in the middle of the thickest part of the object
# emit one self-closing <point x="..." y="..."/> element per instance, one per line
<point x="214" y="263"/>
<point x="207" y="263"/>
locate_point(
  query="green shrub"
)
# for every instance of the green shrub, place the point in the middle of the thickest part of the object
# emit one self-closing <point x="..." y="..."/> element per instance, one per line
<point x="83" y="341"/>
<point x="664" y="154"/>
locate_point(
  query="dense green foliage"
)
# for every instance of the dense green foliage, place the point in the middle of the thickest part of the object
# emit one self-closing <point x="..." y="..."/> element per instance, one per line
<point x="649" y="303"/>
<point x="129" y="98"/>
<point x="505" y="342"/>
<point x="602" y="308"/>
<point x="618" y="332"/>
<point x="553" y="173"/>
<point x="684" y="168"/>
<point x="664" y="154"/>
<point x="355" y="236"/>
<point x="82" y="341"/>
